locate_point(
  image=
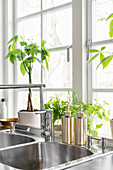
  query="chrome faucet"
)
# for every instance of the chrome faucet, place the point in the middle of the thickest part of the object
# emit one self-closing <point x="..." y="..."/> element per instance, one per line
<point x="48" y="128"/>
<point x="97" y="138"/>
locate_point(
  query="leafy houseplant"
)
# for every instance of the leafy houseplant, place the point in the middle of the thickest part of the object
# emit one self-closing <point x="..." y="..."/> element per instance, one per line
<point x="27" y="55"/>
<point x="58" y="107"/>
<point x="92" y="111"/>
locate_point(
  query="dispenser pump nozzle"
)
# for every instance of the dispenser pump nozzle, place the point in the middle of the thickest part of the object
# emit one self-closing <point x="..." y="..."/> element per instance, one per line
<point x="80" y="113"/>
<point x="67" y="113"/>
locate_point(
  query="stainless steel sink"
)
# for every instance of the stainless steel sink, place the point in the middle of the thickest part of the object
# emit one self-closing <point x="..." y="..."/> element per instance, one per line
<point x="7" y="139"/>
<point x="41" y="155"/>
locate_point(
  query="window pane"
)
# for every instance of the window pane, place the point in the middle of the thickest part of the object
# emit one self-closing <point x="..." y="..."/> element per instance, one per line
<point x="108" y="97"/>
<point x="26" y="7"/>
<point x="30" y="29"/>
<point x="60" y="71"/>
<point x="58" y="28"/>
<point x="53" y="3"/>
<point x="62" y="95"/>
<point x="102" y="9"/>
<point x="103" y="77"/>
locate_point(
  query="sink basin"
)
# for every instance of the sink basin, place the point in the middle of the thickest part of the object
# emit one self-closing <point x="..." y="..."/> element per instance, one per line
<point x="42" y="155"/>
<point x="7" y="139"/>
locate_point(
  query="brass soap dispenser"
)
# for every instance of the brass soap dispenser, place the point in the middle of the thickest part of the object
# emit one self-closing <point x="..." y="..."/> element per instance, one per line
<point x="67" y="127"/>
<point x="80" y="128"/>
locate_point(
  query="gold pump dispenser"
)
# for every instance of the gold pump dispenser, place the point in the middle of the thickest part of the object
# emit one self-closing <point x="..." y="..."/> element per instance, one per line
<point x="80" y="128"/>
<point x="67" y="127"/>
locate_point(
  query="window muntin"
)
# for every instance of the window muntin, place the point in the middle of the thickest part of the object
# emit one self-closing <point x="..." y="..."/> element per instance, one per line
<point x="63" y="95"/>
<point x="53" y="3"/>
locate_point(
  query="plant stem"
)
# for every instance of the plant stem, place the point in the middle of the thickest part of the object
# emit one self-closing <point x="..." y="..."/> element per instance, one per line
<point x="29" y="105"/>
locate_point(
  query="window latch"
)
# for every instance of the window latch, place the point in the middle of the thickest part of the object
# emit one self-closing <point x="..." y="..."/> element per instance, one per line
<point x="89" y="42"/>
<point x="68" y="53"/>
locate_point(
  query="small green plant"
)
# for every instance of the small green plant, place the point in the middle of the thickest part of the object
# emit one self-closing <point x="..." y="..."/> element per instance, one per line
<point x="27" y="55"/>
<point x="58" y="107"/>
<point x="91" y="111"/>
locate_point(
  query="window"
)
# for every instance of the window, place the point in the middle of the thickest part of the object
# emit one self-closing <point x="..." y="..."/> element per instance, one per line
<point x="50" y="20"/>
<point x="101" y="81"/>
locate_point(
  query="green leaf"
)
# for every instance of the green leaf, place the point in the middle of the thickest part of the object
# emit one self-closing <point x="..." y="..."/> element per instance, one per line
<point x="107" y="118"/>
<point x="22" y="68"/>
<point x="30" y="60"/>
<point x="99" y="116"/>
<point x="20" y="55"/>
<point x="9" y="48"/>
<point x="109" y="112"/>
<point x="39" y="62"/>
<point x="95" y="56"/>
<point x="99" y="126"/>
<point x="111" y="24"/>
<point x="111" y="33"/>
<point x="43" y="43"/>
<point x="12" y="58"/>
<point x="110" y="16"/>
<point x="107" y="61"/>
<point x="43" y="56"/>
<point x="92" y="51"/>
<point x="47" y="66"/>
<point x="101" y="56"/>
<point x="102" y="61"/>
<point x="23" y="43"/>
<point x="7" y="56"/>
<point x="102" y="48"/>
<point x="15" y="39"/>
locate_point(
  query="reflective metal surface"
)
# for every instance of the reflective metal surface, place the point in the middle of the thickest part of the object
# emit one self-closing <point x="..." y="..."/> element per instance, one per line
<point x="7" y="139"/>
<point x="67" y="129"/>
<point x="81" y="131"/>
<point x="41" y="155"/>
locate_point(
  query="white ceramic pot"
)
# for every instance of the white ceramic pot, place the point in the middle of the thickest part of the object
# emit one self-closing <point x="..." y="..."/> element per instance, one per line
<point x="30" y="118"/>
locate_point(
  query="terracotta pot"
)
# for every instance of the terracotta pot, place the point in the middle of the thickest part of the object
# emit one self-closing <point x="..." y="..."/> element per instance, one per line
<point x="30" y="118"/>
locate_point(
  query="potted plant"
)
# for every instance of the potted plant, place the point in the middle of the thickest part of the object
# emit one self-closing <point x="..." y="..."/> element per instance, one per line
<point x="105" y="56"/>
<point x="27" y="54"/>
